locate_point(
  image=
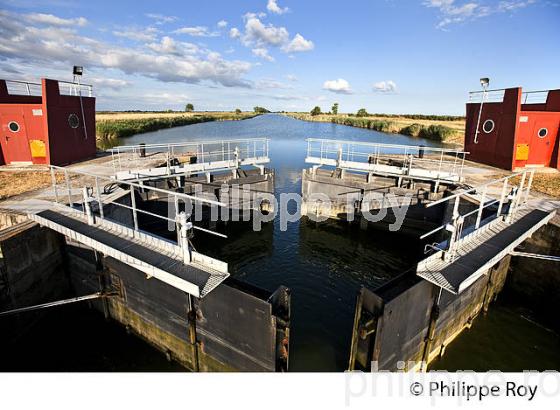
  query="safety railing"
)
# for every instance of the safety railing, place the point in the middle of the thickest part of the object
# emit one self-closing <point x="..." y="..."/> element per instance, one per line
<point x="23" y="88"/>
<point x="79" y="189"/>
<point x="406" y="158"/>
<point x="505" y="195"/>
<point x="16" y="87"/>
<point x="200" y="152"/>
<point x="75" y="89"/>
<point x="487" y="96"/>
<point x="534" y="97"/>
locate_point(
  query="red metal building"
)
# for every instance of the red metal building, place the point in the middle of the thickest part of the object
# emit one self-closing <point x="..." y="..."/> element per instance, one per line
<point x="48" y="123"/>
<point x="515" y="130"/>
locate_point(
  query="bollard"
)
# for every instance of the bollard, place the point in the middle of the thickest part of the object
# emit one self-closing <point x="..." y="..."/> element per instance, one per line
<point x="142" y="150"/>
<point x="184" y="227"/>
<point x="87" y="206"/>
<point x="421" y="152"/>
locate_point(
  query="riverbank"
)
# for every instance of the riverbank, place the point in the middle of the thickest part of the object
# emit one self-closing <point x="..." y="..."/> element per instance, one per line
<point x="111" y="125"/>
<point x="450" y="130"/>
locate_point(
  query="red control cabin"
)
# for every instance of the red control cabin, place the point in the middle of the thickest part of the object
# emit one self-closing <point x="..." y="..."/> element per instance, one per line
<point x="516" y="129"/>
<point x="48" y="123"/>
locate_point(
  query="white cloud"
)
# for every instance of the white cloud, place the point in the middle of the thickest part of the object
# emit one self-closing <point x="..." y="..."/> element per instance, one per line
<point x="135" y="34"/>
<point x="161" y="19"/>
<point x="53" y="20"/>
<point x="59" y="47"/>
<point x="291" y="77"/>
<point x="112" y="83"/>
<point x="339" y="86"/>
<point x="258" y="33"/>
<point x="262" y="53"/>
<point x="385" y="87"/>
<point x="198" y="31"/>
<point x="269" y="83"/>
<point x="168" y="45"/>
<point x="234" y="33"/>
<point x="222" y="24"/>
<point x="451" y="12"/>
<point x="273" y="7"/>
<point x="298" y="44"/>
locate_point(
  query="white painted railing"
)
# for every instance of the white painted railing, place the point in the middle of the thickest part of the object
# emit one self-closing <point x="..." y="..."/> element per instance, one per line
<point x="425" y="161"/>
<point x="16" y="87"/>
<point x="503" y="194"/>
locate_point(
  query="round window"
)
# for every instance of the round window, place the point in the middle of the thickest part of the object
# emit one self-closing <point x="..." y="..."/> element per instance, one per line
<point x="488" y="126"/>
<point x="73" y="121"/>
<point x="13" y="126"/>
<point x="543" y="132"/>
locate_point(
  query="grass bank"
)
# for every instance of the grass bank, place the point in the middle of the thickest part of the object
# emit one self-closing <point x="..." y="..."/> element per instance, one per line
<point x="110" y="125"/>
<point x="448" y="129"/>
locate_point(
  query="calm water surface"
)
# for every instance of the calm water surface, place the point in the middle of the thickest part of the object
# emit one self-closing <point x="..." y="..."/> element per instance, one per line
<point x="323" y="264"/>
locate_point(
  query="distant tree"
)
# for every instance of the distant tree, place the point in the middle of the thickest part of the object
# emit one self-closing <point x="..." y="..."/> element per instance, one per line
<point x="316" y="111"/>
<point x="334" y="108"/>
<point x="362" y="113"/>
<point x="260" y="110"/>
<point x="189" y="107"/>
<point x="237" y="111"/>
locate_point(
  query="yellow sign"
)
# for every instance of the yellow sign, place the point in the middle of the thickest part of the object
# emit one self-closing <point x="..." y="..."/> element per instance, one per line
<point x="38" y="148"/>
<point x="522" y="152"/>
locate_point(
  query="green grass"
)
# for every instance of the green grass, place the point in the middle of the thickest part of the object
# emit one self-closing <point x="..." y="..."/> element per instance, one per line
<point x="119" y="128"/>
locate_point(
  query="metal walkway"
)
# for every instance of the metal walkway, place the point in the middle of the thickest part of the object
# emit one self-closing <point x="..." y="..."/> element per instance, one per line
<point x="134" y="162"/>
<point x="479" y="238"/>
<point x="400" y="161"/>
<point x="482" y="249"/>
<point x="154" y="256"/>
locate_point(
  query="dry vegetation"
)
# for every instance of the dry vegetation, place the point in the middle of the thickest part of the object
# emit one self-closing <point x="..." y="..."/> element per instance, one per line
<point x="449" y="131"/>
<point x="545" y="183"/>
<point x="113" y="116"/>
<point x="14" y="183"/>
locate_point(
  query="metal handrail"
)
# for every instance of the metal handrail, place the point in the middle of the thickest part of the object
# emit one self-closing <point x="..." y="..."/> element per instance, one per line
<point x="73" y="88"/>
<point x="205" y="151"/>
<point x="447" y="160"/>
<point x="133" y="186"/>
<point x="519" y="198"/>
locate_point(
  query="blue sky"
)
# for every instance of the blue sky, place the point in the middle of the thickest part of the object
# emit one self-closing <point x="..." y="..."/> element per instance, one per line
<point x="411" y="56"/>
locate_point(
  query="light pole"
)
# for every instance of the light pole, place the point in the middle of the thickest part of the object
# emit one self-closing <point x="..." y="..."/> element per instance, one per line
<point x="484" y="82"/>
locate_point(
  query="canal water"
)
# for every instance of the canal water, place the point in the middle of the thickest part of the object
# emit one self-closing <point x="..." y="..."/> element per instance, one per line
<point x="323" y="264"/>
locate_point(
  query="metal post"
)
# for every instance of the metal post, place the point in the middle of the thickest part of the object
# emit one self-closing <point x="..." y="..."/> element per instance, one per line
<point x="529" y="184"/>
<point x="184" y="226"/>
<point x="53" y="179"/>
<point x="69" y="188"/>
<point x="87" y="206"/>
<point x="98" y="192"/>
<point x="502" y="196"/>
<point x="480" y="208"/>
<point x="479" y="116"/>
<point x="133" y="202"/>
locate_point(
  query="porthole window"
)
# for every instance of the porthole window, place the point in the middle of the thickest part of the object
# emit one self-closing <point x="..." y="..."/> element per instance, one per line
<point x="488" y="126"/>
<point x="73" y="121"/>
<point x="13" y="126"/>
<point x="543" y="132"/>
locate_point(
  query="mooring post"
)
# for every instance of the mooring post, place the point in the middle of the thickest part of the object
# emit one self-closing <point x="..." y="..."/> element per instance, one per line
<point x="87" y="206"/>
<point x="184" y="227"/>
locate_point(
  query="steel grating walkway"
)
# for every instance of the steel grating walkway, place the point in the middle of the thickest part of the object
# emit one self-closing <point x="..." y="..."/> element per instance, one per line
<point x="154" y="256"/>
<point x="480" y="250"/>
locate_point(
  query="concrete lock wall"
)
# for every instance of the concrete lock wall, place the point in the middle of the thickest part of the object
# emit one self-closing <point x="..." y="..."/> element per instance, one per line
<point x="398" y="328"/>
<point x="31" y="272"/>
<point x="234" y="328"/>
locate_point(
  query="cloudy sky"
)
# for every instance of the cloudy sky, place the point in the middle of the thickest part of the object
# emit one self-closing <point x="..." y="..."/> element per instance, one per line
<point x="395" y="56"/>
